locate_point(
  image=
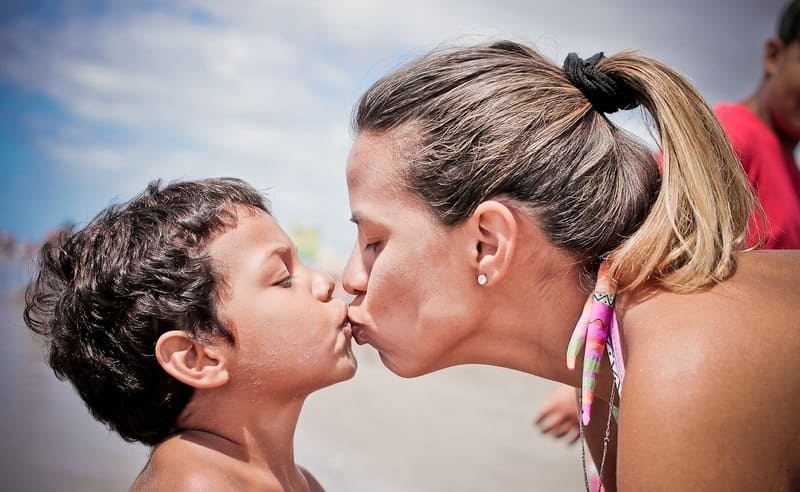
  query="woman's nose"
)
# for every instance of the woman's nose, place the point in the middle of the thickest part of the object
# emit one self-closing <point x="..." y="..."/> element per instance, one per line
<point x="355" y="276"/>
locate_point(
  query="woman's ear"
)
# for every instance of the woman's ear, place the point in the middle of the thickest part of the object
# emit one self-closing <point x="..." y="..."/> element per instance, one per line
<point x="494" y="227"/>
<point x="193" y="363"/>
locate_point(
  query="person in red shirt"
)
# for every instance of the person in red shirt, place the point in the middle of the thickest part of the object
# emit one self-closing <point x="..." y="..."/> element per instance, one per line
<point x="764" y="130"/>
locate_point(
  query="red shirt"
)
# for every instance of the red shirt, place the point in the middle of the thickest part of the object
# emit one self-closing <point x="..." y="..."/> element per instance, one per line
<point x="772" y="172"/>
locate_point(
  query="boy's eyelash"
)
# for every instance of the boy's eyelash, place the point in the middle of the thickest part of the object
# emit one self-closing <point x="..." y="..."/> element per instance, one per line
<point x="371" y="246"/>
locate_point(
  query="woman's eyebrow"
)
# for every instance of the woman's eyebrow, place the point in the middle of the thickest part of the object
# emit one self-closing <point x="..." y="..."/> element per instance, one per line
<point x="358" y="219"/>
<point x="371" y="223"/>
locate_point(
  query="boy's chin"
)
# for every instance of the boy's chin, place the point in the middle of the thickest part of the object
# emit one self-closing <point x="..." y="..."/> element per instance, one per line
<point x="353" y="368"/>
<point x="345" y="370"/>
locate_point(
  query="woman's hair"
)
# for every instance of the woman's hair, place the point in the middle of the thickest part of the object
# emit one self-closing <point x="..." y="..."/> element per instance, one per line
<point x="104" y="294"/>
<point x="499" y="120"/>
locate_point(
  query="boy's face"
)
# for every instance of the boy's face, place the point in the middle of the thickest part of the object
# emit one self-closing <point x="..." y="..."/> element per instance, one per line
<point x="291" y="337"/>
<point x="782" y="65"/>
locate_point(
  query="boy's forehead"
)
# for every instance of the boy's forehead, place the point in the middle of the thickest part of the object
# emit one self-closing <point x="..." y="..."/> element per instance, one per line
<point x="253" y="232"/>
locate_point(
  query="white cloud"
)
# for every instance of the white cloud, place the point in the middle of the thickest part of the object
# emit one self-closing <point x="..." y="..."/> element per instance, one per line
<point x="92" y="157"/>
<point x="264" y="90"/>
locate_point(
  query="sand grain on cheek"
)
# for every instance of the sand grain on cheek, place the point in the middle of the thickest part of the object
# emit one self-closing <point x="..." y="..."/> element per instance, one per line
<point x="293" y="342"/>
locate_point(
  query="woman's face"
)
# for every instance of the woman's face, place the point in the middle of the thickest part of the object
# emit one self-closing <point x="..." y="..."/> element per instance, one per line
<point x="291" y="337"/>
<point x="408" y="273"/>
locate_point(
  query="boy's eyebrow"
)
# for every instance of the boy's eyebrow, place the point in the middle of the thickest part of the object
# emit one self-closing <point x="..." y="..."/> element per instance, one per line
<point x="278" y="250"/>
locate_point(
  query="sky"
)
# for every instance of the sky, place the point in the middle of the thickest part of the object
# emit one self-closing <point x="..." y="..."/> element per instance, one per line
<point x="98" y="98"/>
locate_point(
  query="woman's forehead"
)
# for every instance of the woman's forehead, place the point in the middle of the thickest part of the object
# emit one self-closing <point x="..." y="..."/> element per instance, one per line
<point x="374" y="169"/>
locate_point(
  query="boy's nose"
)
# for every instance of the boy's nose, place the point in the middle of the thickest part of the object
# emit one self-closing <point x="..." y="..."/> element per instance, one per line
<point x="322" y="286"/>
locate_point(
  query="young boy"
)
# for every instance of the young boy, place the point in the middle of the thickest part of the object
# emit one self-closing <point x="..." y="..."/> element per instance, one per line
<point x="764" y="130"/>
<point x="185" y="321"/>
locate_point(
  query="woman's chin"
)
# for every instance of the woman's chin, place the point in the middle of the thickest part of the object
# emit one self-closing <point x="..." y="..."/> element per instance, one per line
<point x="405" y="368"/>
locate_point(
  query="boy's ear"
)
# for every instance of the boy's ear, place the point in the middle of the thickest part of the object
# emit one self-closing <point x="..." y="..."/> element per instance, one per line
<point x="494" y="229"/>
<point x="773" y="49"/>
<point x="191" y="362"/>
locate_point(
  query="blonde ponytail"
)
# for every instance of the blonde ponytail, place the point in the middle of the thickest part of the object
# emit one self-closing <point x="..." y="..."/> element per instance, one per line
<point x="699" y="218"/>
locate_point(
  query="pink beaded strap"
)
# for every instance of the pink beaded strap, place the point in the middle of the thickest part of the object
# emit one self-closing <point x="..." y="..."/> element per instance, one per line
<point x="592" y="331"/>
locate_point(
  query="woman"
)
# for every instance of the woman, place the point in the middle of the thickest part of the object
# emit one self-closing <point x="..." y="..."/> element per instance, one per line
<point x="489" y="189"/>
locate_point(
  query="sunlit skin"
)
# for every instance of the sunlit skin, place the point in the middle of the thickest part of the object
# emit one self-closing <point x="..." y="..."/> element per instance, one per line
<point x="700" y="367"/>
<point x="291" y="338"/>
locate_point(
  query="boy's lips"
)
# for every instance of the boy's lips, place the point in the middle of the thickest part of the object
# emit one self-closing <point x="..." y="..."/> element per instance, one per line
<point x="345" y="324"/>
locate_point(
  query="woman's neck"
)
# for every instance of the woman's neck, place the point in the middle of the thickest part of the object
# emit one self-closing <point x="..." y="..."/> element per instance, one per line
<point x="529" y="320"/>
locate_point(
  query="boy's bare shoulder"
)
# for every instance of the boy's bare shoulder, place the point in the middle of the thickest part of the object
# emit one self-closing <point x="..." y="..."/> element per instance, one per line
<point x="183" y="465"/>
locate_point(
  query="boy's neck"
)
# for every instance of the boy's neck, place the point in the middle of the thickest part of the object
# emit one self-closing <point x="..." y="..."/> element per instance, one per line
<point x="259" y="434"/>
<point x="757" y="105"/>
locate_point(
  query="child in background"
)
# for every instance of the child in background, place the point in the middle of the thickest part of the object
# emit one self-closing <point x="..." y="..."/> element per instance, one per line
<point x="185" y="321"/>
<point x="764" y="130"/>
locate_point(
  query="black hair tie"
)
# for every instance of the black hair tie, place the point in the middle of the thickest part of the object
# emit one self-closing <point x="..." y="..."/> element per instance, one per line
<point x="606" y="94"/>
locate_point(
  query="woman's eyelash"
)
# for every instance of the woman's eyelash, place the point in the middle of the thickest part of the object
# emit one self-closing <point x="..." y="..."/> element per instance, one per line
<point x="287" y="282"/>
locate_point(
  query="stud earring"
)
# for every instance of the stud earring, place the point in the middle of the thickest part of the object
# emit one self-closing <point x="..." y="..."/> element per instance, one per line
<point x="482" y="279"/>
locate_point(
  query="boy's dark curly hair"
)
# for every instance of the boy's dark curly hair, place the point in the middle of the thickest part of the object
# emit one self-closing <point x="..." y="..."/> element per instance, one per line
<point x="789" y="23"/>
<point x="104" y="294"/>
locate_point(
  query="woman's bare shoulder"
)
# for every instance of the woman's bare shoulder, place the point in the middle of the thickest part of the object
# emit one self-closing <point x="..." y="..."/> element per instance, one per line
<point x="713" y="371"/>
<point x="742" y="329"/>
<point x="761" y="297"/>
<point x="765" y="269"/>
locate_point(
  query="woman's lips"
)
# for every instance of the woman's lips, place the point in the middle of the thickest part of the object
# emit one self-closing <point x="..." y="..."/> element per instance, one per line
<point x="358" y="333"/>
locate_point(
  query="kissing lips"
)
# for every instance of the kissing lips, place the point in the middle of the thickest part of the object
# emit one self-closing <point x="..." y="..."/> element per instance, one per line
<point x="344" y="324"/>
<point x="358" y="333"/>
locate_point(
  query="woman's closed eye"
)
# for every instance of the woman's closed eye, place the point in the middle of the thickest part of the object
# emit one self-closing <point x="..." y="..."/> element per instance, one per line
<point x="373" y="246"/>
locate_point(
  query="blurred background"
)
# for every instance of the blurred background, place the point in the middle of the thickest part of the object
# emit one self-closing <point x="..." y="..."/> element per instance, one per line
<point x="98" y="97"/>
